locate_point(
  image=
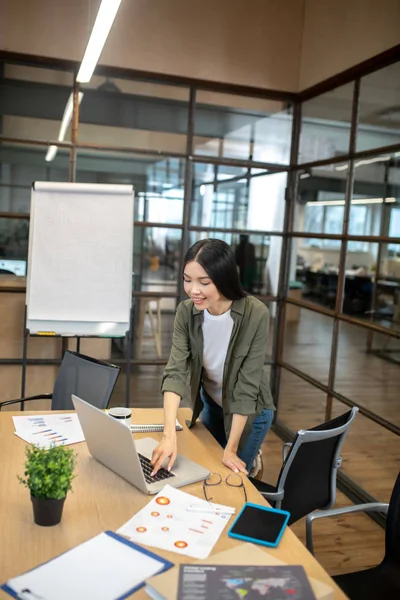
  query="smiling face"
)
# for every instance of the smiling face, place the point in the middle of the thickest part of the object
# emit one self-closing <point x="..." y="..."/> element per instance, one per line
<point x="200" y="288"/>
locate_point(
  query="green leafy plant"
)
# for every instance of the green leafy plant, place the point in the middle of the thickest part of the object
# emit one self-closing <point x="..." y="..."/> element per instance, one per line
<point x="49" y="472"/>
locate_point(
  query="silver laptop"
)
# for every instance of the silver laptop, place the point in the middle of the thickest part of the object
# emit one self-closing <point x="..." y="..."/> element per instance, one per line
<point x="111" y="442"/>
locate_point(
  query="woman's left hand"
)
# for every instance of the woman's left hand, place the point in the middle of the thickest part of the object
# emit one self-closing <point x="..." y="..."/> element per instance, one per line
<point x="232" y="461"/>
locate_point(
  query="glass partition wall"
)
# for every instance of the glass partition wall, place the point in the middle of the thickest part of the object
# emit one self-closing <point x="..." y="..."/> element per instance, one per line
<point x="311" y="183"/>
<point x="339" y="341"/>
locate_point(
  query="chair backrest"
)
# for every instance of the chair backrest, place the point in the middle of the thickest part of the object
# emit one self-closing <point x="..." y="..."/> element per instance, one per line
<point x="308" y="475"/>
<point x="90" y="379"/>
<point x="392" y="540"/>
<point x="396" y="310"/>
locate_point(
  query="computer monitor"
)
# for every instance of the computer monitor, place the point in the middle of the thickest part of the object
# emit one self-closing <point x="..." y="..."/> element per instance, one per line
<point x="18" y="267"/>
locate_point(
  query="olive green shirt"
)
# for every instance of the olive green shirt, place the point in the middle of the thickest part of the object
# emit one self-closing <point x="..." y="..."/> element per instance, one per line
<point x="245" y="385"/>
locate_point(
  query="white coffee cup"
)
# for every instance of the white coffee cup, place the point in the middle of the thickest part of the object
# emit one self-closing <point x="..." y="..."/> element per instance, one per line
<point x="124" y="414"/>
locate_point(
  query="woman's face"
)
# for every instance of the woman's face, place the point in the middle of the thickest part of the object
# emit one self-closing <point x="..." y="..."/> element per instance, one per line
<point x="200" y="288"/>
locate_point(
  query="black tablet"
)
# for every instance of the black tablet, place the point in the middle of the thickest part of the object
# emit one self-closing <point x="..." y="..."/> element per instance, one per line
<point x="260" y="525"/>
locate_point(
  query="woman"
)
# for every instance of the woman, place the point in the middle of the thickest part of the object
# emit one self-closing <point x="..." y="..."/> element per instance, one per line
<point x="219" y="341"/>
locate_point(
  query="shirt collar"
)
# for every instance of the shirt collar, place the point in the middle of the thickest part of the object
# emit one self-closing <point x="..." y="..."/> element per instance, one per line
<point x="237" y="307"/>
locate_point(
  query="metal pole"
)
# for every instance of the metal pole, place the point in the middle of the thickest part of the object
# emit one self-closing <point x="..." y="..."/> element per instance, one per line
<point x="284" y="273"/>
<point x="24" y="355"/>
<point x="383" y="228"/>
<point x="129" y="338"/>
<point x="72" y="169"/>
<point x="343" y="253"/>
<point x="74" y="132"/>
<point x="188" y="190"/>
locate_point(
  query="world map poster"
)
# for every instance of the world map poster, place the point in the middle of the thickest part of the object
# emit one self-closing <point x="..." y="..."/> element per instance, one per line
<point x="239" y="582"/>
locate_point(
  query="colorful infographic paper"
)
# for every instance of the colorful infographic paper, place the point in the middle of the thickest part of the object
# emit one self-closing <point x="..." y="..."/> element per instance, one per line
<point x="48" y="430"/>
<point x="168" y="522"/>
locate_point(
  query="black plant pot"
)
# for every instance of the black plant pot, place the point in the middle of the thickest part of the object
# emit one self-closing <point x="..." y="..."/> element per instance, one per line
<point x="47" y="511"/>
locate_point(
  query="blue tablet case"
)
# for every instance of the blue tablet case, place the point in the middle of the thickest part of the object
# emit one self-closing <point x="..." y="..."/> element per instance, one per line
<point x="255" y="540"/>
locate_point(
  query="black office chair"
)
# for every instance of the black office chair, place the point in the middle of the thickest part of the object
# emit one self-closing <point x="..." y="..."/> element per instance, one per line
<point x="90" y="379"/>
<point x="383" y="581"/>
<point x="357" y="294"/>
<point x="307" y="480"/>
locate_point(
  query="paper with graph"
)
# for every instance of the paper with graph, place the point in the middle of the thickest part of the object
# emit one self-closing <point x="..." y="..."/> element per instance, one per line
<point x="168" y="523"/>
<point x="49" y="430"/>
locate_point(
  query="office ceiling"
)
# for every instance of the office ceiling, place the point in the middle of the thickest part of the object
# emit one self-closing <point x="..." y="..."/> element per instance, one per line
<point x="379" y="100"/>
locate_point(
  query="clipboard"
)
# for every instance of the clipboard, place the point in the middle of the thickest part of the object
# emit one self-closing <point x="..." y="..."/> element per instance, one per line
<point x="105" y="567"/>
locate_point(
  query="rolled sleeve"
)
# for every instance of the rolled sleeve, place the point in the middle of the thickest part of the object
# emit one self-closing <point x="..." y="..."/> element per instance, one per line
<point x="176" y="372"/>
<point x="247" y="388"/>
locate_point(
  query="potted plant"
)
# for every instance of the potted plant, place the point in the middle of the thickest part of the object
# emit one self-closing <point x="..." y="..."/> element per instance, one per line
<point x="48" y="475"/>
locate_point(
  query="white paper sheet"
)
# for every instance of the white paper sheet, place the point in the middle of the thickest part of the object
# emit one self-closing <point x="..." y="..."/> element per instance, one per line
<point x="101" y="568"/>
<point x="166" y="523"/>
<point x="48" y="430"/>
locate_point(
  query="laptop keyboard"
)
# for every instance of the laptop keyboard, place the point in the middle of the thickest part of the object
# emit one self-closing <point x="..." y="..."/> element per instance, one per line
<point x="147" y="469"/>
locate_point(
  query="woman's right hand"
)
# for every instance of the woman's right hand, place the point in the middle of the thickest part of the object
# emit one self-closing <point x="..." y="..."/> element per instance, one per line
<point x="167" y="448"/>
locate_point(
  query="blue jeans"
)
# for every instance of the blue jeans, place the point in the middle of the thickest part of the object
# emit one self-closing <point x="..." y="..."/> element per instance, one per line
<point x="213" y="419"/>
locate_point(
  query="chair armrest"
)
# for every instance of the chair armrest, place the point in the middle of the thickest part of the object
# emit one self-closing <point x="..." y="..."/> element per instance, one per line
<point x="274" y="496"/>
<point x="335" y="512"/>
<point x="18" y="400"/>
<point x="285" y="450"/>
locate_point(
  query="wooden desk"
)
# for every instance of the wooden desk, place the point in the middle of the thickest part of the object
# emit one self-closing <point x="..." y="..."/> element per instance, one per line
<point x="102" y="500"/>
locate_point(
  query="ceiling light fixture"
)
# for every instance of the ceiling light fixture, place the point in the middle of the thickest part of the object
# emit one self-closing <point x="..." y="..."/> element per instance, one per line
<point x="367" y="161"/>
<point x="67" y="116"/>
<point x="101" y="28"/>
<point x="355" y="201"/>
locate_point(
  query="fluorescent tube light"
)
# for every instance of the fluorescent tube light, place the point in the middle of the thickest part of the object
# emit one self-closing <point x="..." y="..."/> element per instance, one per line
<point x="356" y="201"/>
<point x="67" y="116"/>
<point x="101" y="28"/>
<point x="367" y="161"/>
<point x="51" y="153"/>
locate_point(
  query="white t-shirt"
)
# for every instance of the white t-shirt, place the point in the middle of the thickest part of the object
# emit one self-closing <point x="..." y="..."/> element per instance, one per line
<point x="217" y="332"/>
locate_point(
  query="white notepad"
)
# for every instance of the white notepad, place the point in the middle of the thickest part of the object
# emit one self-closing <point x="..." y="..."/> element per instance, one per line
<point x="135" y="428"/>
<point x="106" y="567"/>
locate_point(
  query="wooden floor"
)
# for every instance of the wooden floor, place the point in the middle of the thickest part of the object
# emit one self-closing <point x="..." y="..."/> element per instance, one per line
<point x="361" y="376"/>
<point x="371" y="453"/>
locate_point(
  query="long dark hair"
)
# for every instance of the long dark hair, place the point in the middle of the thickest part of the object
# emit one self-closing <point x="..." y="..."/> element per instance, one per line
<point x="218" y="261"/>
